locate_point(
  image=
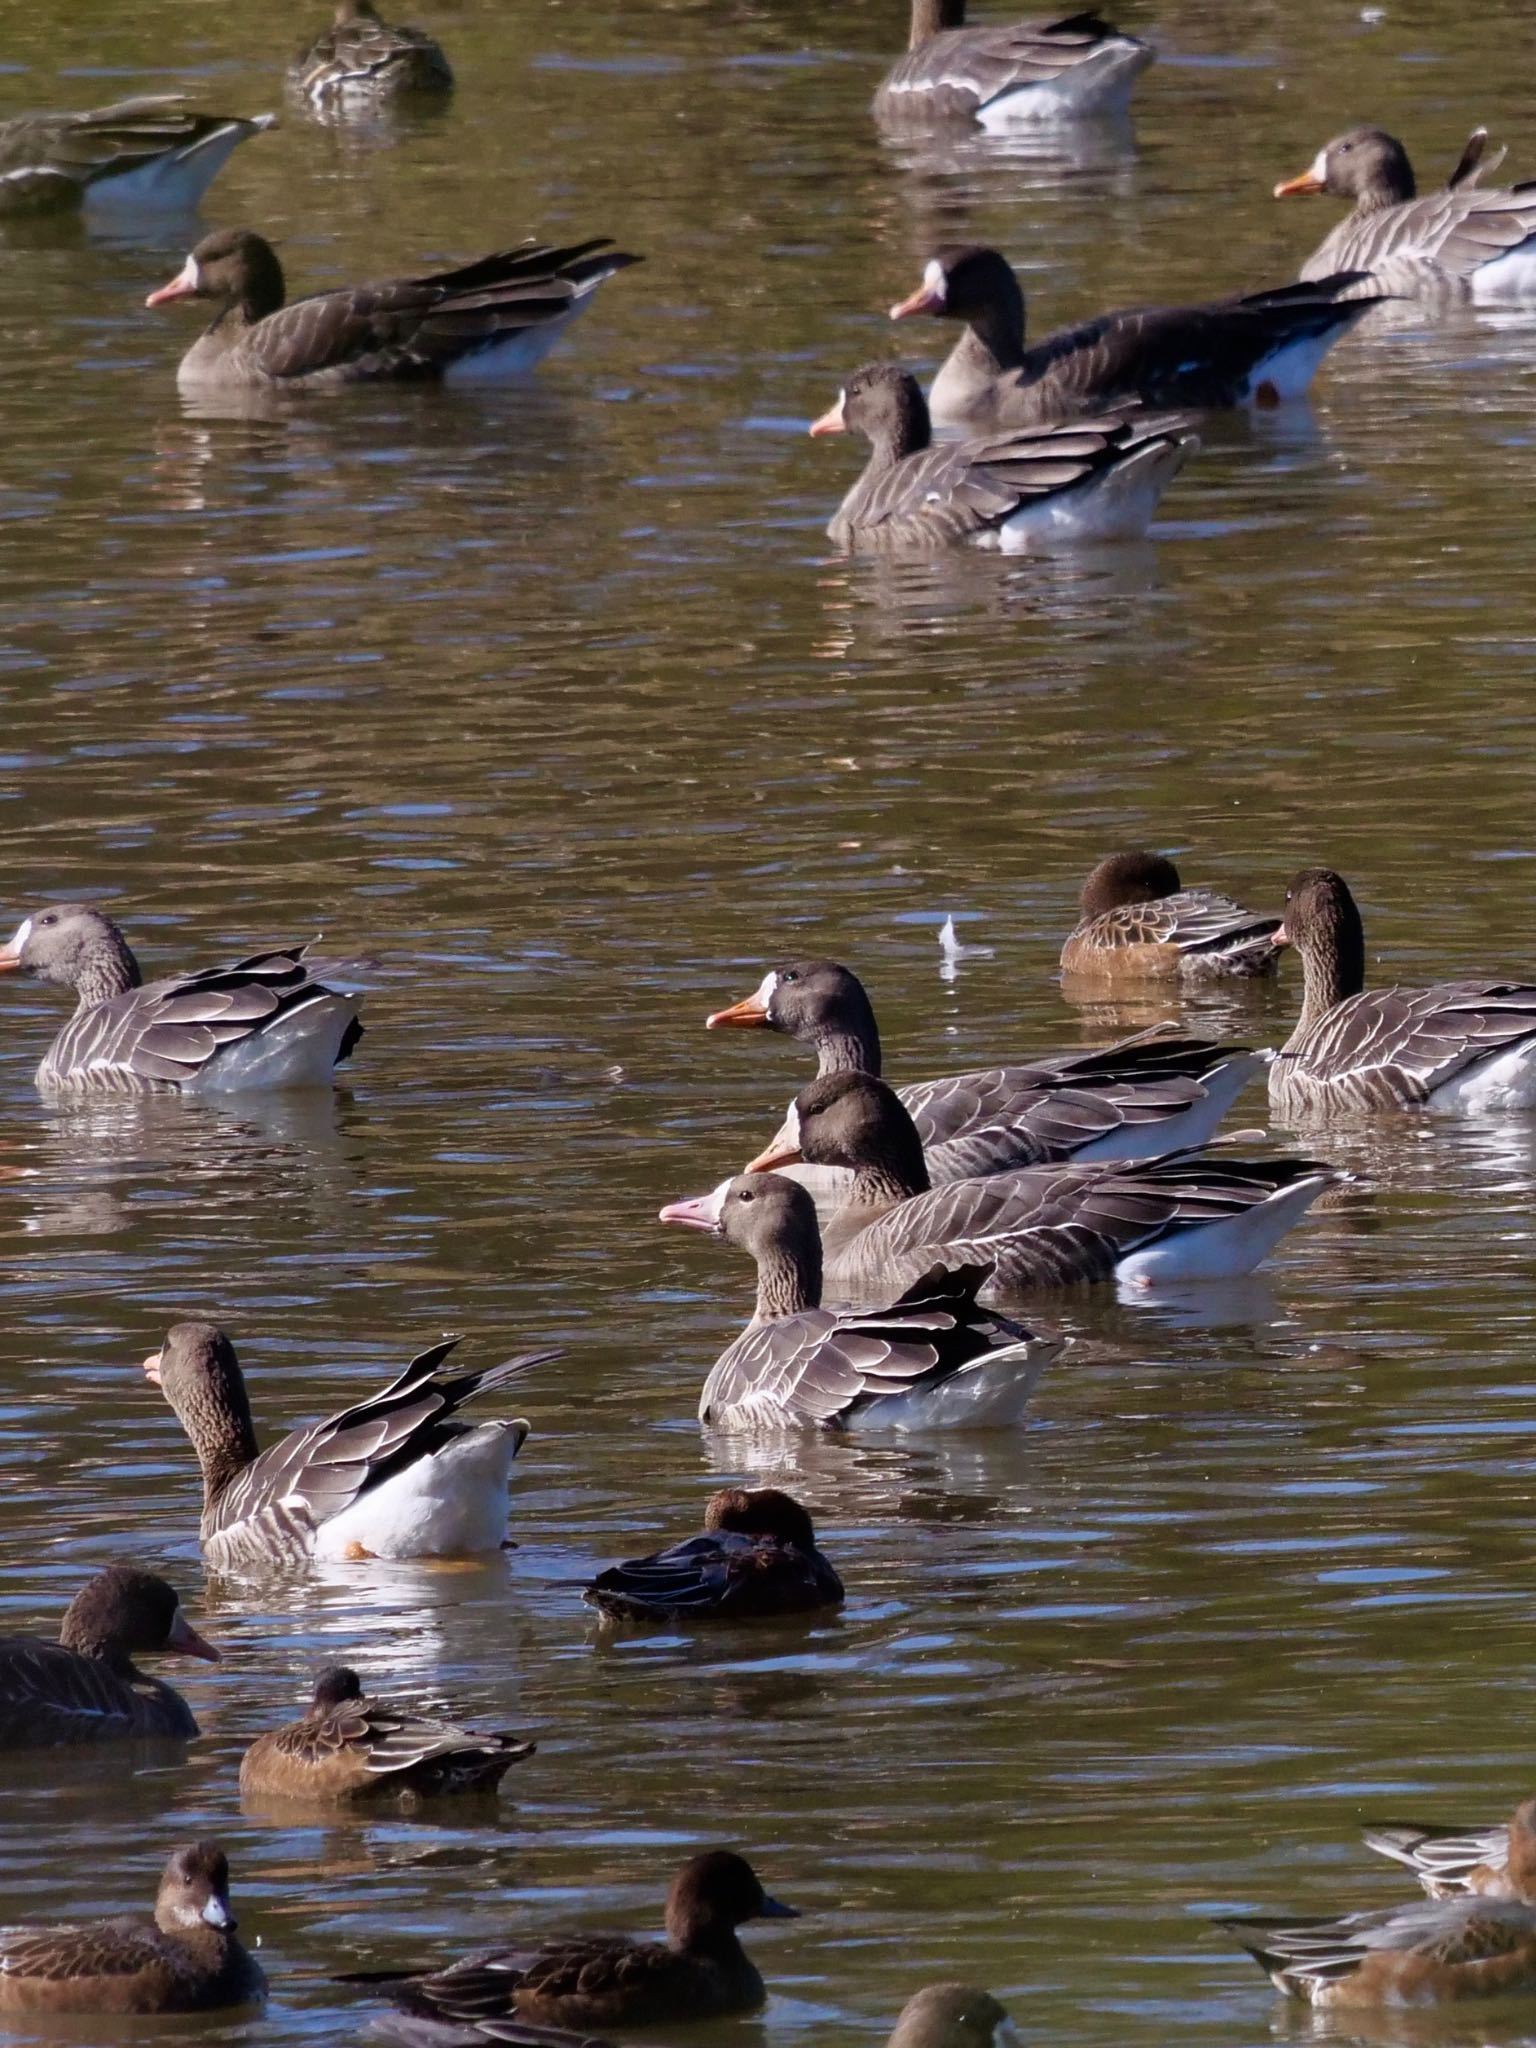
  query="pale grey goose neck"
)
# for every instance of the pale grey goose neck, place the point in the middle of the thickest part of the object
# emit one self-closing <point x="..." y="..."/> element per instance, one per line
<point x="1029" y="489"/>
<point x="362" y="58"/>
<point x="484" y="321"/>
<point x="1185" y="1216"/>
<point x="953" y="2016"/>
<point x="136" y="156"/>
<point x="1456" y="1047"/>
<point x="272" y="1020"/>
<point x="1151" y="1093"/>
<point x="1463" y="238"/>
<point x="1139" y="922"/>
<point x="1078" y="67"/>
<point x="1264" y="346"/>
<point x="397" y="1474"/>
<point x="86" y="1687"/>
<point x="927" y="1358"/>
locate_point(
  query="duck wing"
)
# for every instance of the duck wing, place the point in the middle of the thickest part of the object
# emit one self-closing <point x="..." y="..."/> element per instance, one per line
<point x="482" y="1993"/>
<point x="1441" y="1931"/>
<point x="369" y="56"/>
<point x="1442" y="1859"/>
<point x="418" y="327"/>
<point x="100" y="1950"/>
<point x="1199" y="922"/>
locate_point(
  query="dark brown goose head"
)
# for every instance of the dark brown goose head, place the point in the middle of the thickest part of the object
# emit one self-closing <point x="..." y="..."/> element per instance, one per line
<point x="194" y="1892"/>
<point x="198" y="1373"/>
<point x="1323" y="923"/>
<point x="336" y="1685"/>
<point x="125" y="1612"/>
<point x="953" y="2016"/>
<point x="853" y="1120"/>
<point x="818" y="1002"/>
<point x="709" y="1899"/>
<point x="1366" y="165"/>
<point x="774" y="1220"/>
<point x="77" y="946"/>
<point x="884" y="404"/>
<point x="977" y="286"/>
<point x="1122" y="878"/>
<point x="761" y="1511"/>
<point x="233" y="267"/>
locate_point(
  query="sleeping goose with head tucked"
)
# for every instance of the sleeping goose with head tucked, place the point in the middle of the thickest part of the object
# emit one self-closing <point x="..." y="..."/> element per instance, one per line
<point x="397" y="1474"/>
<point x="1459" y="1048"/>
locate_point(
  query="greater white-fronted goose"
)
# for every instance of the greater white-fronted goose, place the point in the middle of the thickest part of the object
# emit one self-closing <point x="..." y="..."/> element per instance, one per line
<point x="1187" y="1216"/>
<point x="1426" y="1954"/>
<point x="923" y="1358"/>
<point x="395" y="1475"/>
<point x="1465" y="237"/>
<point x="1140" y="923"/>
<point x="1025" y="491"/>
<point x="1149" y="1094"/>
<point x="1462" y="1048"/>
<point x="953" y="2016"/>
<point x="86" y="1687"/>
<point x="136" y="156"/>
<point x="272" y="1021"/>
<point x="364" y="58"/>
<point x="1008" y="75"/>
<point x="486" y="321"/>
<point x="756" y="1560"/>
<point x="1263" y="347"/>
<point x="603" y="1980"/>
<point x="349" y="1749"/>
<point x="1489" y="1861"/>
<point x="186" y="1960"/>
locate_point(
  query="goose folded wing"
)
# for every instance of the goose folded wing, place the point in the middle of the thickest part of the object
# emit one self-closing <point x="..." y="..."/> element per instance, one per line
<point x="1407" y="1042"/>
<point x="1467" y="227"/>
<point x="982" y="61"/>
<point x="45" y="1677"/>
<point x="1056" y="1123"/>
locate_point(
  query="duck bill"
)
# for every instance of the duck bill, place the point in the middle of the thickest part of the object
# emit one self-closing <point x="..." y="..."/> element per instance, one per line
<point x="182" y="286"/>
<point x="184" y="1641"/>
<point x="772" y="1156"/>
<point x="775" y="1909"/>
<point x="750" y="1013"/>
<point x="831" y="422"/>
<point x="924" y="300"/>
<point x="697" y="1213"/>
<point x="1299" y="187"/>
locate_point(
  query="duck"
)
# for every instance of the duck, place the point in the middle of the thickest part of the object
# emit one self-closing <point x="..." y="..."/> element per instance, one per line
<point x="187" y="1960"/>
<point x="1456" y="1048"/>
<point x="363" y="57"/>
<point x="587" y="1981"/>
<point x="1263" y="348"/>
<point x="1472" y="240"/>
<point x="1025" y="491"/>
<point x="1185" y="1216"/>
<point x="1428" y="1953"/>
<point x="394" y="1475"/>
<point x="953" y="2016"/>
<point x="1009" y="74"/>
<point x="350" y="1749"/>
<point x="930" y="1358"/>
<point x="86" y="1687"/>
<point x="1487" y="1861"/>
<point x="1154" y="1092"/>
<point x="271" y="1021"/>
<point x="480" y="323"/>
<point x="756" y="1560"/>
<point x="147" y="155"/>
<point x="1140" y="923"/>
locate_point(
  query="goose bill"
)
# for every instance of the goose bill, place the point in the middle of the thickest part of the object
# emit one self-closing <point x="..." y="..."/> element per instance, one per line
<point x="831" y="421"/>
<point x="184" y="1641"/>
<point x="182" y="286"/>
<point x="751" y="1010"/>
<point x="699" y="1212"/>
<point x="926" y="299"/>
<point x="1305" y="182"/>
<point x="772" y="1156"/>
<point x="151" y="1367"/>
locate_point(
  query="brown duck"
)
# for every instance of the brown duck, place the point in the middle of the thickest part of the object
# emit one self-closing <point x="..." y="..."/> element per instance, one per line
<point x="757" y="1559"/>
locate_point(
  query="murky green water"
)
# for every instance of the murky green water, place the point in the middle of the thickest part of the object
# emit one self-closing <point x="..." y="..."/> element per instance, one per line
<point x="553" y="700"/>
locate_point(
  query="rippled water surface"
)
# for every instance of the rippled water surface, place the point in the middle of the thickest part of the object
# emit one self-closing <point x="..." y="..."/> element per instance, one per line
<point x="554" y="701"/>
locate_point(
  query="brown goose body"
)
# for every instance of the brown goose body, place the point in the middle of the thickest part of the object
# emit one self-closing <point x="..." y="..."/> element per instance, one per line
<point x="86" y="1688"/>
<point x="362" y="58"/>
<point x="1262" y="347"/>
<point x="349" y="1749"/>
<point x="1464" y="239"/>
<point x="1003" y="75"/>
<point x="1490" y="1861"/>
<point x="602" y="1981"/>
<point x="491" y="319"/>
<point x="1026" y="489"/>
<point x="756" y="1561"/>
<point x="1139" y="923"/>
<point x="139" y="155"/>
<point x="1456" y="1047"/>
<point x="186" y="1960"/>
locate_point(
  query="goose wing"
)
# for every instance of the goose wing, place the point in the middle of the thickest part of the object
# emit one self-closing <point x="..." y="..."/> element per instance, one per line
<point x="49" y="159"/>
<point x="1458" y="230"/>
<point x="959" y="70"/>
<point x="1394" y="1047"/>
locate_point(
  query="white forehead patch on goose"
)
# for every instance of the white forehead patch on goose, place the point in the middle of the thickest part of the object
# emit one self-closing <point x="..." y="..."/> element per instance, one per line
<point x="935" y="281"/>
<point x="714" y="1202"/>
<point x="792" y="1125"/>
<point x="21" y="935"/>
<point x="766" y="987"/>
<point x="1319" y="168"/>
